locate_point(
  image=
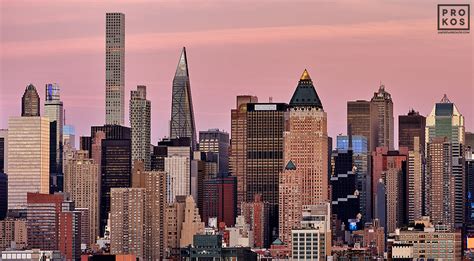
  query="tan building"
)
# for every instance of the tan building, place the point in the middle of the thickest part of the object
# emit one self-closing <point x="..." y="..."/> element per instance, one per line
<point x="306" y="147"/>
<point x="290" y="202"/>
<point x="192" y="224"/>
<point x="383" y="101"/>
<point x="238" y="145"/>
<point x="28" y="158"/>
<point x="415" y="181"/>
<point x="127" y="221"/>
<point x="82" y="182"/>
<point x="13" y="231"/>
<point x="429" y="243"/>
<point x="440" y="182"/>
<point x="362" y="118"/>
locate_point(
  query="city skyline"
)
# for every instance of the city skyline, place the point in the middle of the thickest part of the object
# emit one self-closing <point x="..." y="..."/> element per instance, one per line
<point x="227" y="59"/>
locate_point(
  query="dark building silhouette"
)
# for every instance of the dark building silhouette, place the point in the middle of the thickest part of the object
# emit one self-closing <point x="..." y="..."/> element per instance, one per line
<point x="216" y="141"/>
<point x="116" y="164"/>
<point x="410" y="126"/>
<point x="160" y="152"/>
<point x="30" y="102"/>
<point x="3" y="195"/>
<point x="220" y="198"/>
<point x="85" y="143"/>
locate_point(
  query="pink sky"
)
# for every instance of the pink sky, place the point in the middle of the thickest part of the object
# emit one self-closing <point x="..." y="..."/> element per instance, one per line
<point x="235" y="47"/>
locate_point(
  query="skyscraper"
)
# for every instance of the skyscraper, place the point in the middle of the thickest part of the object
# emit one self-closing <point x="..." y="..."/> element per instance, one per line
<point x="383" y="100"/>
<point x="416" y="177"/>
<point x="3" y="195"/>
<point x="305" y="147"/>
<point x="28" y="158"/>
<point x="216" y="141"/>
<point x="445" y="121"/>
<point x="53" y="109"/>
<point x="3" y="150"/>
<point x="114" y="68"/>
<point x="182" y="114"/>
<point x="362" y="120"/>
<point x="220" y="199"/>
<point x="410" y="126"/>
<point x="30" y="102"/>
<point x="140" y="125"/>
<point x="238" y="150"/>
<point x="82" y="182"/>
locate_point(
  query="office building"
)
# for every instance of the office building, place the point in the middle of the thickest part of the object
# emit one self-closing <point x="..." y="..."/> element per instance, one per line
<point x="416" y="180"/>
<point x="182" y="114"/>
<point x="82" y="182"/>
<point x="114" y="68"/>
<point x="13" y="231"/>
<point x="179" y="177"/>
<point x="140" y="126"/>
<point x="445" y="121"/>
<point x="256" y="214"/>
<point x="127" y="221"/>
<point x="3" y="150"/>
<point x="305" y="148"/>
<point x="410" y="126"/>
<point x="383" y="101"/>
<point x="69" y="136"/>
<point x="220" y="199"/>
<point x="238" y="145"/>
<point x="30" y="102"/>
<point x="312" y="241"/>
<point x="3" y="195"/>
<point x="216" y="141"/>
<point x="53" y="110"/>
<point x="290" y="204"/>
<point x="362" y="120"/>
<point x="28" y="158"/>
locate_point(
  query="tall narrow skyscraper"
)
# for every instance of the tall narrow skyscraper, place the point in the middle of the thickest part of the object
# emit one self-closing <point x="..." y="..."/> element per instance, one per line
<point x="140" y="126"/>
<point x="305" y="146"/>
<point x="182" y="115"/>
<point x="383" y="100"/>
<point x="53" y="109"/>
<point x="410" y="126"/>
<point x="30" y="102"/>
<point x="362" y="120"/>
<point x="114" y="68"/>
<point x="445" y="121"/>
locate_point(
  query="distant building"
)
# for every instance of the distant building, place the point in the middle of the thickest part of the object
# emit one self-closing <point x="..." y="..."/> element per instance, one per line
<point x="416" y="180"/>
<point x="410" y="126"/>
<point x="312" y="241"/>
<point x="425" y="241"/>
<point x="216" y="141"/>
<point x="30" y="102"/>
<point x="13" y="231"/>
<point x="69" y="135"/>
<point x="28" y="158"/>
<point x="140" y="126"/>
<point x="206" y="247"/>
<point x="3" y="195"/>
<point x="256" y="214"/>
<point x="383" y="100"/>
<point x="362" y="119"/>
<point x="220" y="199"/>
<point x="3" y="150"/>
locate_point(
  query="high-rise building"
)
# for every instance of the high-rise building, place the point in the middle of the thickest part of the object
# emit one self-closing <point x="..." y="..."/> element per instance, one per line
<point x="82" y="182"/>
<point x="312" y="240"/>
<point x="305" y="154"/>
<point x="3" y="195"/>
<point x="114" y="68"/>
<point x="220" y="199"/>
<point x="140" y="125"/>
<point x="362" y="121"/>
<point x="13" y="230"/>
<point x="115" y="164"/>
<point x="383" y="100"/>
<point x="30" y="102"/>
<point x="182" y="114"/>
<point x="391" y="167"/>
<point x="28" y="158"/>
<point x="53" y="224"/>
<point x="410" y="126"/>
<point x="238" y="150"/>
<point x="361" y="160"/>
<point x="69" y="136"/>
<point x="216" y="141"/>
<point x="470" y="197"/>
<point x="179" y="177"/>
<point x="192" y="224"/>
<point x="416" y="180"/>
<point x="127" y="221"/>
<point x="445" y="120"/>
<point x="53" y="109"/>
<point x="3" y="150"/>
<point x="256" y="214"/>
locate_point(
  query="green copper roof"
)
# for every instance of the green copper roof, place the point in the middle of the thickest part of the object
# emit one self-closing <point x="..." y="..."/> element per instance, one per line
<point x="277" y="242"/>
<point x="290" y="165"/>
<point x="305" y="93"/>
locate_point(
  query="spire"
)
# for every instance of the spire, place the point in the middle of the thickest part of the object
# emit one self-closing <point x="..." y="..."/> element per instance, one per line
<point x="182" y="68"/>
<point x="445" y="99"/>
<point x="305" y="93"/>
<point x="305" y="76"/>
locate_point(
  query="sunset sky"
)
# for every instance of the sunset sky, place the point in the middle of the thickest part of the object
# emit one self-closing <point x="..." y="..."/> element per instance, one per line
<point x="234" y="48"/>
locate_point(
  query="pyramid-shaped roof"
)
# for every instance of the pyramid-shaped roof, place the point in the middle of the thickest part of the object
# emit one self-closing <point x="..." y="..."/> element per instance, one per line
<point x="290" y="165"/>
<point x="305" y="93"/>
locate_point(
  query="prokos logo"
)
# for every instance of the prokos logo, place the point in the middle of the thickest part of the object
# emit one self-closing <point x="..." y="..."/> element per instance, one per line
<point x="453" y="18"/>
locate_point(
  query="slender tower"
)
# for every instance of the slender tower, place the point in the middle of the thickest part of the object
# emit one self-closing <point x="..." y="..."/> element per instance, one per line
<point x="383" y="100"/>
<point x="305" y="155"/>
<point x="140" y="123"/>
<point x="114" y="68"/>
<point x="182" y="115"/>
